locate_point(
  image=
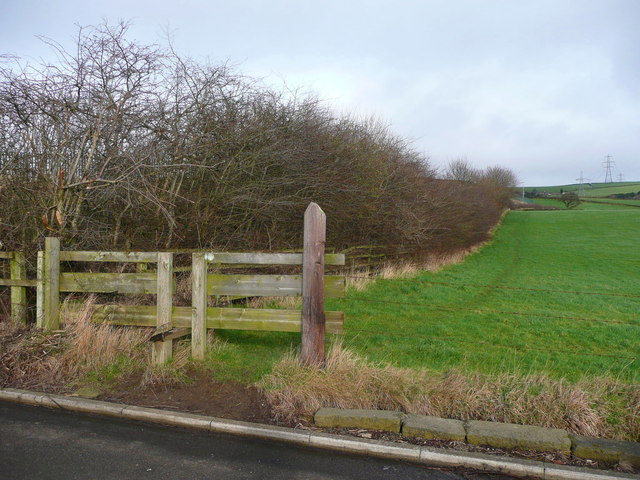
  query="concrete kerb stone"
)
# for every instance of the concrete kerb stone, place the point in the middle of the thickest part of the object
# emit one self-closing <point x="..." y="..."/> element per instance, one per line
<point x="433" y="428"/>
<point x="510" y="435"/>
<point x="380" y="448"/>
<point x="630" y="452"/>
<point x="177" y="419"/>
<point x="359" y="418"/>
<point x="565" y="472"/>
<point x="260" y="431"/>
<point x="376" y="448"/>
<point x="21" y="396"/>
<point x="83" y="405"/>
<point x="11" y="395"/>
<point x="599" y="449"/>
<point x="479" y="461"/>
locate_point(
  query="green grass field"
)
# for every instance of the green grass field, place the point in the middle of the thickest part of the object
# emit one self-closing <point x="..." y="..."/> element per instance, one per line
<point x="463" y="316"/>
<point x="598" y="204"/>
<point x="591" y="189"/>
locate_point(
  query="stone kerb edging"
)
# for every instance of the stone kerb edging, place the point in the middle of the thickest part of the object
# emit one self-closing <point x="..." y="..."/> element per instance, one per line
<point x="492" y="434"/>
<point x="377" y="448"/>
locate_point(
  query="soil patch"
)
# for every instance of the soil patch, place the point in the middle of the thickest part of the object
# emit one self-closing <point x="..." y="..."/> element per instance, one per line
<point x="202" y="394"/>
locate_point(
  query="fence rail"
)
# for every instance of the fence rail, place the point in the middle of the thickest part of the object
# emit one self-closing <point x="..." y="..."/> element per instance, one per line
<point x="199" y="317"/>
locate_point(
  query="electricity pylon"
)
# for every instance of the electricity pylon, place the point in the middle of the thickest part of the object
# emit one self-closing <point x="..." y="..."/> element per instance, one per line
<point x="581" y="181"/>
<point x="608" y="166"/>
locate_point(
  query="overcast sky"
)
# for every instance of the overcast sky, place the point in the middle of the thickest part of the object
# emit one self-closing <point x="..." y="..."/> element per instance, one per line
<point x="545" y="87"/>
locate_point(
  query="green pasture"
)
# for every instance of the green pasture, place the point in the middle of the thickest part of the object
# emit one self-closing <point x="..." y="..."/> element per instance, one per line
<point x="616" y="201"/>
<point x="555" y="292"/>
<point x="598" y="205"/>
<point x="591" y="189"/>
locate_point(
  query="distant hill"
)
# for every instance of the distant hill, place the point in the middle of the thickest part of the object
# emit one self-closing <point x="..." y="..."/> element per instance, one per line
<point x="590" y="189"/>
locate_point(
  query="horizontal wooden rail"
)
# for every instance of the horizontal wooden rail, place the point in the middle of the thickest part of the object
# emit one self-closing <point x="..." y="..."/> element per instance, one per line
<point x="217" y="318"/>
<point x="130" y="283"/>
<point x="18" y="283"/>
<point x="268" y="258"/>
<point x="228" y="285"/>
<point x="269" y="285"/>
<point x="221" y="258"/>
<point x="127" y="257"/>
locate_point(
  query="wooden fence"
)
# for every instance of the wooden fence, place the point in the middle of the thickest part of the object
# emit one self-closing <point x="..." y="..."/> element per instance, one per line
<point x="172" y="321"/>
<point x="18" y="283"/>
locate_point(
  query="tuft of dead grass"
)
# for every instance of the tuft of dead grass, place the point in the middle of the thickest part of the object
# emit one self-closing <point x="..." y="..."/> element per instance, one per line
<point x="31" y="358"/>
<point x="92" y="346"/>
<point x="348" y="381"/>
<point x="172" y="373"/>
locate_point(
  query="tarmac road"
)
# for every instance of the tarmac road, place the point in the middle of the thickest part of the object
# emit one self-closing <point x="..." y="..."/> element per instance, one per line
<point x="38" y="443"/>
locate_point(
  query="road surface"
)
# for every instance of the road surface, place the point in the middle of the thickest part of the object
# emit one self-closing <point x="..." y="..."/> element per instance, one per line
<point x="38" y="443"/>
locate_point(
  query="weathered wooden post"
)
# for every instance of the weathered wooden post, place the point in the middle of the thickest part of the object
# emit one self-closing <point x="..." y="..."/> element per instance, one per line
<point x="163" y="349"/>
<point x="313" y="318"/>
<point x="18" y="267"/>
<point x="51" y="283"/>
<point x="40" y="290"/>
<point x="199" y="305"/>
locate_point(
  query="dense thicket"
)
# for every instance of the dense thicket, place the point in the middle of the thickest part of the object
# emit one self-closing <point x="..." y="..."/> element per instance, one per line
<point x="125" y="146"/>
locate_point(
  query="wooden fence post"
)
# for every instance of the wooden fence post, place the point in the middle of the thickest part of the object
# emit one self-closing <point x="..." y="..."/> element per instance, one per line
<point x="163" y="350"/>
<point x="51" y="283"/>
<point x="313" y="317"/>
<point x="18" y="267"/>
<point x="40" y="290"/>
<point x="199" y="305"/>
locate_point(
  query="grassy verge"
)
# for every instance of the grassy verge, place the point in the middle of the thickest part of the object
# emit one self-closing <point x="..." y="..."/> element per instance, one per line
<point x="605" y="408"/>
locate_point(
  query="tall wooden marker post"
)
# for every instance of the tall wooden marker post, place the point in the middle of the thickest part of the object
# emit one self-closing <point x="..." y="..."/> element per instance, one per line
<point x="313" y="318"/>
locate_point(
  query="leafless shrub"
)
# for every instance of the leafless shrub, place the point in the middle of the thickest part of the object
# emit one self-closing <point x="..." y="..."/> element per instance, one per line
<point x="117" y="132"/>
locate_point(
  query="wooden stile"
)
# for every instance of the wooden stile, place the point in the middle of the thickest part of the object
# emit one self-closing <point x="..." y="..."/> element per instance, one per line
<point x="174" y="322"/>
<point x="313" y="316"/>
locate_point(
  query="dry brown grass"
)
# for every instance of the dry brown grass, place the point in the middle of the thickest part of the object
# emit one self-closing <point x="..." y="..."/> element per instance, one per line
<point x="92" y="346"/>
<point x="348" y="381"/>
<point x="171" y="373"/>
<point x="30" y="358"/>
